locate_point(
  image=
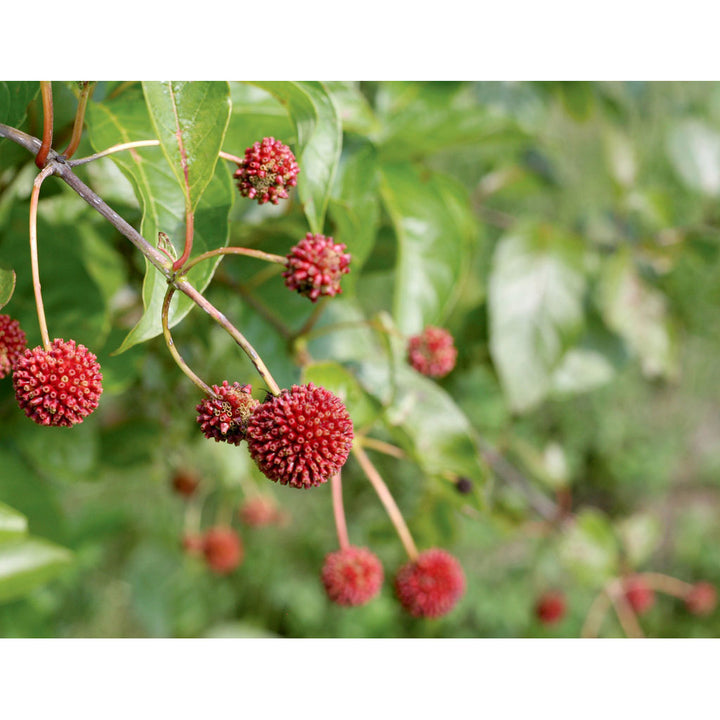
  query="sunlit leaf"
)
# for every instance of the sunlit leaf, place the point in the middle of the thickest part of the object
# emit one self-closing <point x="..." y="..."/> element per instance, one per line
<point x="430" y="218"/>
<point x="194" y="114"/>
<point x="535" y="298"/>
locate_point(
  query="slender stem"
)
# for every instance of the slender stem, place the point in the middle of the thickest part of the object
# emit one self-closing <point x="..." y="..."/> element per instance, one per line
<point x="173" y="349"/>
<point x="339" y="512"/>
<point x="85" y="93"/>
<point x="232" y="158"/>
<point x="256" y="304"/>
<point x="381" y="446"/>
<point x="666" y="584"/>
<point x="234" y="333"/>
<point x="249" y="252"/>
<point x="47" y="103"/>
<point x="624" y="611"/>
<point x="35" y="195"/>
<point x="153" y="255"/>
<point x="313" y="318"/>
<point x="114" y="149"/>
<point x="189" y="232"/>
<point x="387" y="500"/>
<point x="596" y="615"/>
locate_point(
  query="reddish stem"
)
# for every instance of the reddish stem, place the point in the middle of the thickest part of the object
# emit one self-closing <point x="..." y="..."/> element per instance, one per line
<point x="47" y="102"/>
<point x="339" y="512"/>
<point x="79" y="120"/>
<point x="387" y="500"/>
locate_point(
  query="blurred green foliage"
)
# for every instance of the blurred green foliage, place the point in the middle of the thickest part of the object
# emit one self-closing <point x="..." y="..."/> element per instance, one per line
<point x="567" y="234"/>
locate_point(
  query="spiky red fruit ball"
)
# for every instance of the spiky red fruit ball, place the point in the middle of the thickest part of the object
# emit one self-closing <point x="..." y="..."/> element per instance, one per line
<point x="550" y="607"/>
<point x="12" y="343"/>
<point x="268" y="169"/>
<point x="260" y="511"/>
<point x="701" y="599"/>
<point x="60" y="386"/>
<point x="639" y="595"/>
<point x="352" y="576"/>
<point x="430" y="586"/>
<point x="224" y="418"/>
<point x="223" y="549"/>
<point x="315" y="266"/>
<point x="432" y="352"/>
<point x="301" y="437"/>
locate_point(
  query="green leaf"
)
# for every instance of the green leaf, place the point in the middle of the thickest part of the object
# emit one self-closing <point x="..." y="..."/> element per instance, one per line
<point x="319" y="136"/>
<point x="638" y="313"/>
<point x="28" y="563"/>
<point x="355" y="209"/>
<point x="434" y="229"/>
<point x="124" y="120"/>
<point x="12" y="523"/>
<point x="590" y="549"/>
<point x="334" y="377"/>
<point x="535" y="299"/>
<point x="14" y="99"/>
<point x="694" y="151"/>
<point x="7" y="285"/>
<point x="198" y="114"/>
<point x="419" y="119"/>
<point x="437" y="433"/>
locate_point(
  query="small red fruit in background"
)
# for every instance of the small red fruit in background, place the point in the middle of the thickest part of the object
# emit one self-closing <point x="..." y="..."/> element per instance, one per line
<point x="701" y="599"/>
<point x="60" y="386"/>
<point x="550" y="607"/>
<point x="639" y="595"/>
<point x="433" y="352"/>
<point x="12" y="343"/>
<point x="185" y="483"/>
<point x="268" y="169"/>
<point x="430" y="586"/>
<point x="224" y="418"/>
<point x="223" y="549"/>
<point x="315" y="266"/>
<point x="301" y="437"/>
<point x="192" y="544"/>
<point x="260" y="511"/>
<point x="352" y="576"/>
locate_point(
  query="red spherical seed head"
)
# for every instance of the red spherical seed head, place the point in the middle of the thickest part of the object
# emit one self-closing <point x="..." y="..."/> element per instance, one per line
<point x="259" y="511"/>
<point x="223" y="549"/>
<point x="431" y="585"/>
<point x="301" y="437"/>
<point x="224" y="418"/>
<point x="701" y="599"/>
<point x="268" y="169"/>
<point x="433" y="352"/>
<point x="60" y="386"/>
<point x="550" y="607"/>
<point x="12" y="343"/>
<point x="184" y="483"/>
<point x="640" y="597"/>
<point x="315" y="266"/>
<point x="352" y="576"/>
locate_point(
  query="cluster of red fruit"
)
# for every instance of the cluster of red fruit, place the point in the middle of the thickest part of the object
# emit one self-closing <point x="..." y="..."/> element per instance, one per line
<point x="221" y="546"/>
<point x="300" y="437"/>
<point x="699" y="599"/>
<point x="428" y="586"/>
